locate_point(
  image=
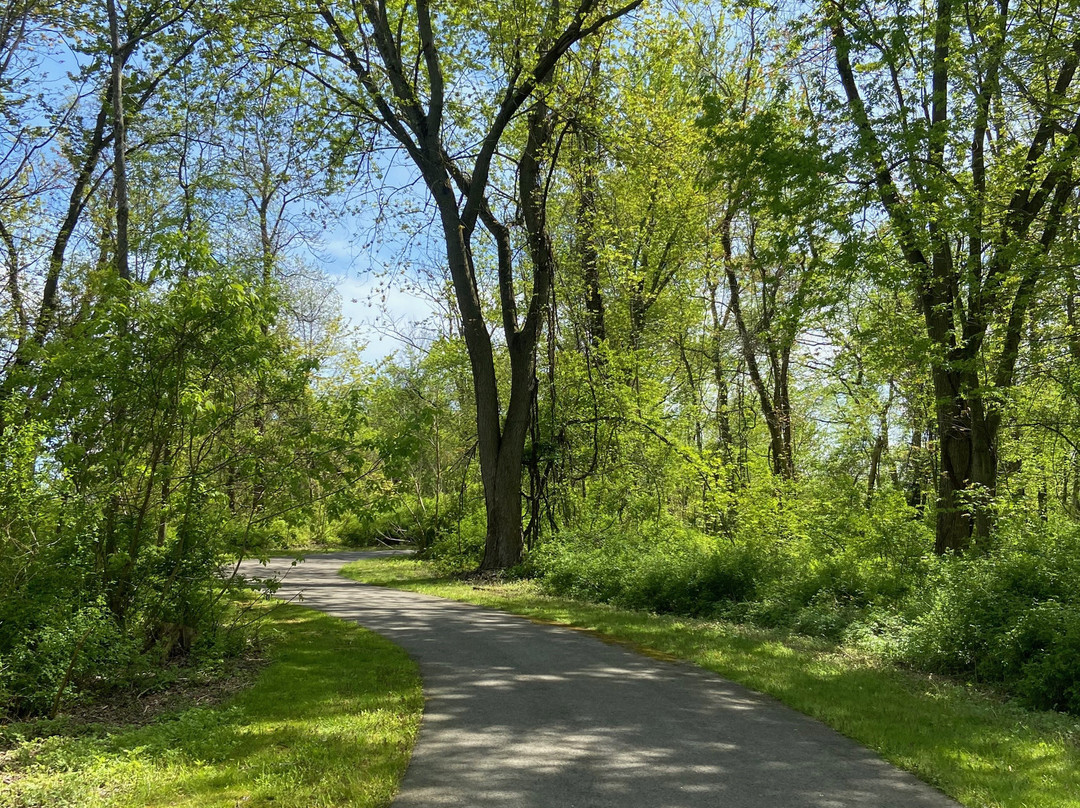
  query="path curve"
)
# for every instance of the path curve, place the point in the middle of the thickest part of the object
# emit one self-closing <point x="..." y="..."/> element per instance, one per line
<point x="523" y="715"/>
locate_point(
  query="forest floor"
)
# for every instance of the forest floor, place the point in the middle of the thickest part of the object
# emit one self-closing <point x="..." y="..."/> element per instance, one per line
<point x="327" y="717"/>
<point x="982" y="750"/>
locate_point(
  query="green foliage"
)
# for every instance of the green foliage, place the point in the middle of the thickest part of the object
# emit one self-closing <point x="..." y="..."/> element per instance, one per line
<point x="809" y="558"/>
<point x="415" y="522"/>
<point x="1011" y="618"/>
<point x="459" y="545"/>
<point x="344" y="738"/>
<point x="152" y="461"/>
<point x="679" y="574"/>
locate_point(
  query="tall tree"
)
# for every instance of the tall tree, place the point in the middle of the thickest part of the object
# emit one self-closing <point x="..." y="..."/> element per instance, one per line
<point x="967" y="120"/>
<point x="778" y="223"/>
<point x="400" y="61"/>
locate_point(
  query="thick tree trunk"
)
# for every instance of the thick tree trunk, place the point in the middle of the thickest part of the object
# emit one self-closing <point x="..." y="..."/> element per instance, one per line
<point x="504" y="541"/>
<point x="953" y="526"/>
<point x="967" y="476"/>
<point x="503" y="544"/>
<point x="501" y="476"/>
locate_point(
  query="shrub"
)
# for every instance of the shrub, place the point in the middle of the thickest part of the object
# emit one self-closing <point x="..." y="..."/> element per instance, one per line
<point x="354" y="530"/>
<point x="459" y="545"/>
<point x="1012" y="619"/>
<point x="683" y="572"/>
<point x="1048" y="663"/>
<point x="69" y="649"/>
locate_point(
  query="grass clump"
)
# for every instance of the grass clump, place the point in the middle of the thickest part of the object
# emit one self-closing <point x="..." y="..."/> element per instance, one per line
<point x="330" y="721"/>
<point x="984" y="751"/>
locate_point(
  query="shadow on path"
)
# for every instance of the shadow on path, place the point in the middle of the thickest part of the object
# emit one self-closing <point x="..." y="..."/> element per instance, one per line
<point x="536" y="716"/>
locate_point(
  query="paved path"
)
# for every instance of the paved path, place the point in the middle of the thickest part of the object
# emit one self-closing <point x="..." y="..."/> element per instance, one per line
<point x="521" y="715"/>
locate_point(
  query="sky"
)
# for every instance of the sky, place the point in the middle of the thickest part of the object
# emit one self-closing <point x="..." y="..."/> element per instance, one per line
<point x="378" y="286"/>
<point x="380" y="309"/>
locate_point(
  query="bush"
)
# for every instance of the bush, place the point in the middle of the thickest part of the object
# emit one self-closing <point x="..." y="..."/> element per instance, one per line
<point x="354" y="530"/>
<point x="1012" y="619"/>
<point x="683" y="573"/>
<point x="404" y="521"/>
<point x="792" y="563"/>
<point x="697" y="582"/>
<point x="69" y="649"/>
<point x="1051" y="678"/>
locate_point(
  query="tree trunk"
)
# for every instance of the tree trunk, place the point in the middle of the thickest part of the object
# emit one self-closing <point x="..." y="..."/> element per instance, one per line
<point x="967" y="477"/>
<point x="119" y="145"/>
<point x="500" y="476"/>
<point x="881" y="445"/>
<point x="720" y="379"/>
<point x="504" y="540"/>
<point x="783" y="440"/>
<point x="776" y="407"/>
<point x="588" y="251"/>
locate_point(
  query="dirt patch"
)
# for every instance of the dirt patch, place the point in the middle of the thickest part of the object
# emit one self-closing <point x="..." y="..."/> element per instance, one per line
<point x="182" y="688"/>
<point x="191" y="687"/>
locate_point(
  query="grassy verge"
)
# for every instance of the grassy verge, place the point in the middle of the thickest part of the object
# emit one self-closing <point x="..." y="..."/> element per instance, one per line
<point x="329" y="722"/>
<point x="983" y="751"/>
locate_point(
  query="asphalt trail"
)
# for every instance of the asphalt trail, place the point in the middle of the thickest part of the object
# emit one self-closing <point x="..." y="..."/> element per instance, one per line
<point x="522" y="715"/>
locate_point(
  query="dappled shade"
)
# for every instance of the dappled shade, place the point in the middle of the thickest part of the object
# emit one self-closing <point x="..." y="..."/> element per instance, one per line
<point x="521" y="714"/>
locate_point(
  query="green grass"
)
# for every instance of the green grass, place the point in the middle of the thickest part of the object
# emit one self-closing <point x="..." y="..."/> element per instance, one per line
<point x="983" y="751"/>
<point x="330" y="722"/>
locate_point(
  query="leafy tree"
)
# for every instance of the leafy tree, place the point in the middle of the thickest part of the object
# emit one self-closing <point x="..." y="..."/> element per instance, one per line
<point x="469" y="58"/>
<point x="966" y="122"/>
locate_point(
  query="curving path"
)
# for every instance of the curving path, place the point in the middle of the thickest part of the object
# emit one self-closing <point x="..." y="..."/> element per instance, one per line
<point x="522" y="715"/>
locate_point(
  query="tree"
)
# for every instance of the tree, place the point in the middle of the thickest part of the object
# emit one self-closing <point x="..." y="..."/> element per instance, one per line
<point x="779" y="222"/>
<point x="967" y="122"/>
<point x="397" y="60"/>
